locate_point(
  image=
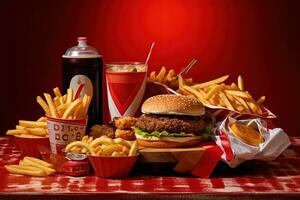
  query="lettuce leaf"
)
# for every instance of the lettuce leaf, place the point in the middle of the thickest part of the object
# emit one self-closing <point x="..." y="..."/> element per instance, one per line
<point x="160" y="134"/>
<point x="207" y="132"/>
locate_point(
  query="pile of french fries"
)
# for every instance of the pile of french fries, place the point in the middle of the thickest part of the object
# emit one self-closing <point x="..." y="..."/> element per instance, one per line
<point x="168" y="78"/>
<point x="32" y="167"/>
<point x="30" y="129"/>
<point x="64" y="107"/>
<point x="103" y="146"/>
<point x="215" y="92"/>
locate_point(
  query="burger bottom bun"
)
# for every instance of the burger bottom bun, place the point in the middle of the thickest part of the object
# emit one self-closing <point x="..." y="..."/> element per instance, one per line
<point x="169" y="144"/>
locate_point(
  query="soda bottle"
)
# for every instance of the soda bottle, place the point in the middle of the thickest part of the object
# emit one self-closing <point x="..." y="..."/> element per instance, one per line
<point x="82" y="70"/>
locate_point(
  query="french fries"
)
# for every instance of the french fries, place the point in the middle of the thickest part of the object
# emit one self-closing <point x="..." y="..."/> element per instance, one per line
<point x="30" y="129"/>
<point x="16" y="132"/>
<point x="32" y="124"/>
<point x="212" y="82"/>
<point x="25" y="170"/>
<point x="37" y="131"/>
<point x="59" y="107"/>
<point x="169" y="78"/>
<point x="57" y="92"/>
<point x="64" y="107"/>
<point x="32" y="167"/>
<point x="43" y="104"/>
<point x="133" y="149"/>
<point x="42" y="119"/>
<point x="51" y="105"/>
<point x="261" y="100"/>
<point x="80" y="144"/>
<point x="28" y="162"/>
<point x="103" y="146"/>
<point x="41" y="162"/>
<point x="233" y="97"/>
<point x="214" y="92"/>
<point x="240" y="83"/>
<point x="71" y="108"/>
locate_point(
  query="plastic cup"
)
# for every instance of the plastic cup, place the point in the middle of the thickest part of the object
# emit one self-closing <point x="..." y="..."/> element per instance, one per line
<point x="64" y="131"/>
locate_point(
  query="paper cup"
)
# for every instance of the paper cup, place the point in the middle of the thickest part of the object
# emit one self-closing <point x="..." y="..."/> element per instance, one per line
<point x="64" y="131"/>
<point x="30" y="146"/>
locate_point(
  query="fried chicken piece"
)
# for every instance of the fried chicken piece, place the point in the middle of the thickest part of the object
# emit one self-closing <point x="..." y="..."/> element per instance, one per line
<point x="125" y="134"/>
<point x="124" y="123"/>
<point x="99" y="130"/>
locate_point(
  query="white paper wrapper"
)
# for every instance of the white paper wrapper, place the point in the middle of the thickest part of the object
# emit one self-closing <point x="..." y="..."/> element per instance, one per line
<point x="236" y="151"/>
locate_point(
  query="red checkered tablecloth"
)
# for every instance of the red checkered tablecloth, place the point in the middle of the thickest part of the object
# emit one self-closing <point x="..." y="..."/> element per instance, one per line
<point x="279" y="177"/>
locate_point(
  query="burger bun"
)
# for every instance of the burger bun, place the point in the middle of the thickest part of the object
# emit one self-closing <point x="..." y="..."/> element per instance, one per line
<point x="173" y="105"/>
<point x="161" y="143"/>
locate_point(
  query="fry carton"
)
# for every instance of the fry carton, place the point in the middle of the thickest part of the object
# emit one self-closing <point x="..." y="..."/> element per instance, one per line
<point x="64" y="131"/>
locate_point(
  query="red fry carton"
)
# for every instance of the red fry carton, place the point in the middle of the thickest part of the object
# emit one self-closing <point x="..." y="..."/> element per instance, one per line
<point x="30" y="146"/>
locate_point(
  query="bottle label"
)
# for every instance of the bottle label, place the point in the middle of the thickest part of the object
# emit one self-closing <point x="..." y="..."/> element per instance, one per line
<point x="81" y="85"/>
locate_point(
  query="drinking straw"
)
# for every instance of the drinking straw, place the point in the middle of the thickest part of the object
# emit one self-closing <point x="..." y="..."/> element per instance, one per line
<point x="149" y="54"/>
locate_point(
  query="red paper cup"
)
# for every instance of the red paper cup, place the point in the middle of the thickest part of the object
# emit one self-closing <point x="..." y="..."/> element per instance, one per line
<point x="112" y="167"/>
<point x="64" y="131"/>
<point x="30" y="146"/>
<point x="126" y="83"/>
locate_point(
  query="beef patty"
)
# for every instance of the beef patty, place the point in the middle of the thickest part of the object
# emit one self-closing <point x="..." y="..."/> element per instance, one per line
<point x="172" y="124"/>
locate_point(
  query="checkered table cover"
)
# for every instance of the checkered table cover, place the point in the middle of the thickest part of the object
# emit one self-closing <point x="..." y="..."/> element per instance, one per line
<point x="281" y="176"/>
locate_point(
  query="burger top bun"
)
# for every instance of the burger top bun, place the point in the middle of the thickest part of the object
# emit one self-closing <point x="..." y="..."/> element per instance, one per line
<point x="173" y="105"/>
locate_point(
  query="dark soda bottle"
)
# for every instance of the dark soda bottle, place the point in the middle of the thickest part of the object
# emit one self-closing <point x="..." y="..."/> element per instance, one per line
<point x="82" y="70"/>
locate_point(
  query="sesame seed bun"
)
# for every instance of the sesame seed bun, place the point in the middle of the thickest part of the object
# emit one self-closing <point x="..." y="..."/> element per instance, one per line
<point x="173" y="105"/>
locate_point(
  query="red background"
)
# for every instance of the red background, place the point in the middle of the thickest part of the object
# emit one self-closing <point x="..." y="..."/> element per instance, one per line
<point x="258" y="39"/>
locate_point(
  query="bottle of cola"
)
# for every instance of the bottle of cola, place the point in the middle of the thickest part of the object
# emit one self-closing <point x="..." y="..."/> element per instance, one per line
<point x="82" y="70"/>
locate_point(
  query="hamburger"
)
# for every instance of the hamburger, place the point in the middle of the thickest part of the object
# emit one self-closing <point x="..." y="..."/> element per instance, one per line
<point x="171" y="121"/>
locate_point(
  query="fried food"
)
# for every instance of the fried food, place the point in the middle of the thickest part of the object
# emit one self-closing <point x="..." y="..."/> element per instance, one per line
<point x="168" y="78"/>
<point x="64" y="107"/>
<point x="124" y="127"/>
<point x="125" y="134"/>
<point x="30" y="129"/>
<point x="171" y="124"/>
<point x="103" y="146"/>
<point x="232" y="97"/>
<point x="100" y="130"/>
<point x="124" y="122"/>
<point x="32" y="167"/>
